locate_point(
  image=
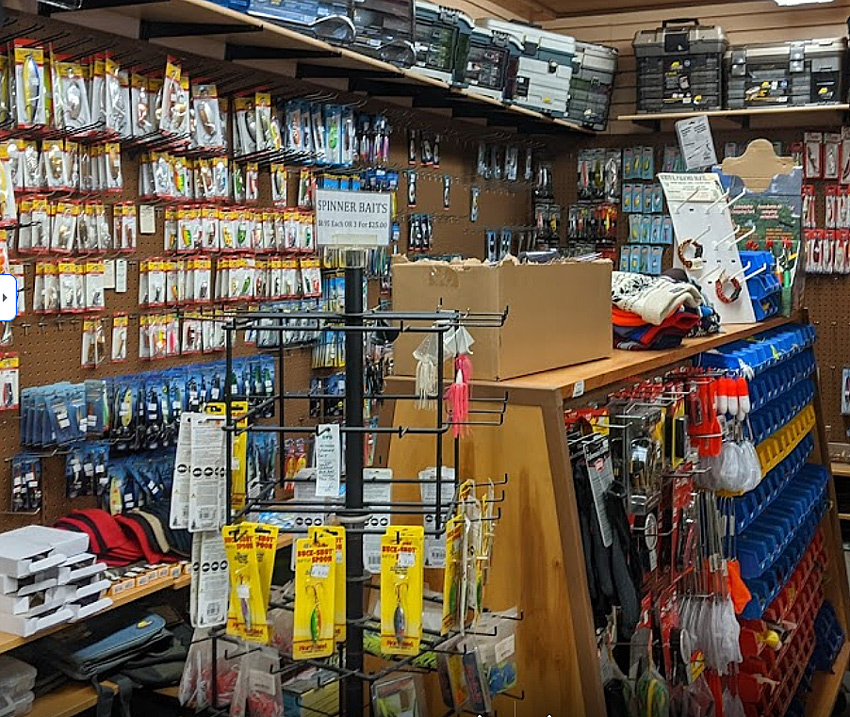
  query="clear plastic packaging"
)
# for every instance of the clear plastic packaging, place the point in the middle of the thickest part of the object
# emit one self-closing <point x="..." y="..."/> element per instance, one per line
<point x="16" y="676"/>
<point x="23" y="704"/>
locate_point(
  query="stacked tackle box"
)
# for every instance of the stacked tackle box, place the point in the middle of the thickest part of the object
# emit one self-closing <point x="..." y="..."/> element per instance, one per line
<point x="544" y="68"/>
<point x="328" y="19"/>
<point x="785" y="73"/>
<point x="380" y="28"/>
<point x="680" y="67"/>
<point x="442" y="41"/>
<point x="591" y="85"/>
<point x="491" y="63"/>
<point x="385" y="30"/>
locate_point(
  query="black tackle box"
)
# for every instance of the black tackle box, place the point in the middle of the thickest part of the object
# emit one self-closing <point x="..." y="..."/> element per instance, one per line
<point x="385" y="29"/>
<point x="785" y="73"/>
<point x="680" y="67"/>
<point x="491" y="64"/>
<point x="592" y="83"/>
<point x="442" y="41"/>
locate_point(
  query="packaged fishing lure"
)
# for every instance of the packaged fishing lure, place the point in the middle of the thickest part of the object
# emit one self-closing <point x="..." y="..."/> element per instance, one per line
<point x="30" y="84"/>
<point x="315" y="597"/>
<point x="338" y="533"/>
<point x="402" y="581"/>
<point x="246" y="616"/>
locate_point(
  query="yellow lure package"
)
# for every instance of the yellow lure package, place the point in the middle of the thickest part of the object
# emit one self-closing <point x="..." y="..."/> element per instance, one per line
<point x="338" y="533"/>
<point x="452" y="576"/>
<point x="238" y="467"/>
<point x="402" y="581"/>
<point x="246" y="615"/>
<point x="315" y="594"/>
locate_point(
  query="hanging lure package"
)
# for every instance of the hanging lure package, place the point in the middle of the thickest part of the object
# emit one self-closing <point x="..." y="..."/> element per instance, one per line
<point x="93" y="350"/>
<point x="258" y="691"/>
<point x="86" y="470"/>
<point x="26" y="483"/>
<point x="338" y="533"/>
<point x="315" y="597"/>
<point x="30" y="89"/>
<point x="250" y="553"/>
<point x="402" y="582"/>
<point x="208" y="484"/>
<point x="208" y="598"/>
<point x="9" y="382"/>
<point x="398" y="695"/>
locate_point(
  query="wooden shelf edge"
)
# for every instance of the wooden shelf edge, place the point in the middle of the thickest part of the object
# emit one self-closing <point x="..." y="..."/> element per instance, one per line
<point x="841" y="469"/>
<point x="9" y="641"/>
<point x="624" y="365"/>
<point x="68" y="700"/>
<point x="826" y="685"/>
<point x="749" y="112"/>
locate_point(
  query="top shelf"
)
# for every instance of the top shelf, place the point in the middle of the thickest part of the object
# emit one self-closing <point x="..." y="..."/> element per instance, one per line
<point x="247" y="39"/>
<point x="626" y="365"/>
<point x="736" y="114"/>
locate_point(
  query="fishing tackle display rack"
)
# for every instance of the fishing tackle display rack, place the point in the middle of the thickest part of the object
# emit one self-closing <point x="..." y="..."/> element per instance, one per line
<point x="355" y="322"/>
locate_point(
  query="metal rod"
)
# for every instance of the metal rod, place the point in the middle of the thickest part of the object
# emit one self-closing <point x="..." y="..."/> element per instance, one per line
<point x="354" y="388"/>
<point x="281" y="449"/>
<point x="228" y="420"/>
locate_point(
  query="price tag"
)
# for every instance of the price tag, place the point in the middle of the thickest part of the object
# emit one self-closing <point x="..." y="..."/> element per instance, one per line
<point x="327" y="461"/>
<point x="147" y="219"/>
<point x="320" y="571"/>
<point x="406" y="559"/>
<point x="578" y="389"/>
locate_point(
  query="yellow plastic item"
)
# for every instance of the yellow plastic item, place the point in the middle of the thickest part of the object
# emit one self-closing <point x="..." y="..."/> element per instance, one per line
<point x="772" y="451"/>
<point x="402" y="580"/>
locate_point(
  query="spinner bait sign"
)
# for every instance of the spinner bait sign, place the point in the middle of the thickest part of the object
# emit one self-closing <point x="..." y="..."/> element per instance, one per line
<point x="353" y="218"/>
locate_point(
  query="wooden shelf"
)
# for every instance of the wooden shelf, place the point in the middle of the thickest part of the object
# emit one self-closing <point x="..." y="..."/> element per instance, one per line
<point x="251" y="41"/>
<point x="9" y="641"/>
<point x="624" y="365"/>
<point x="68" y="700"/>
<point x="826" y="685"/>
<point x="750" y="112"/>
<point x="841" y="470"/>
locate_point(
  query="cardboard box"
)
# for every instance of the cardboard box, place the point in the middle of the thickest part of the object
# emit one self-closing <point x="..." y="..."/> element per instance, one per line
<point x="559" y="314"/>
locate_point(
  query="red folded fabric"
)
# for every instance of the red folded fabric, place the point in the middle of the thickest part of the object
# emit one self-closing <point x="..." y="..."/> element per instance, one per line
<point x="621" y="317"/>
<point x="137" y="533"/>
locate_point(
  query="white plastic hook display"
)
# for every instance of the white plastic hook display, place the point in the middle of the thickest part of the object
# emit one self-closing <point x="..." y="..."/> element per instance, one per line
<point x="722" y="198"/>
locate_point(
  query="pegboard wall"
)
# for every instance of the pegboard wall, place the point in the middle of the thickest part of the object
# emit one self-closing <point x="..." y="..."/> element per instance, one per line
<point x="49" y="346"/>
<point x="825" y="297"/>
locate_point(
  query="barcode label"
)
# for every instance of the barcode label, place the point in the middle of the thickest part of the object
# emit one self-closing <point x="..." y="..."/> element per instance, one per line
<point x="373" y="563"/>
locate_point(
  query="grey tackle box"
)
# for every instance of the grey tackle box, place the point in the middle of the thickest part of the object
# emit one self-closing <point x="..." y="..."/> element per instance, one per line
<point x="591" y="85"/>
<point x="442" y="41"/>
<point x="680" y="67"/>
<point x="544" y="68"/>
<point x="786" y="74"/>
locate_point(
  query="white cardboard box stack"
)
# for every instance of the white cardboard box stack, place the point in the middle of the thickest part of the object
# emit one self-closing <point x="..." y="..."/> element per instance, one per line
<point x="47" y="577"/>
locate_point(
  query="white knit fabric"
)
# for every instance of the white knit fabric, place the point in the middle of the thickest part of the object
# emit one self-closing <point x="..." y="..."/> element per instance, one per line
<point x="653" y="298"/>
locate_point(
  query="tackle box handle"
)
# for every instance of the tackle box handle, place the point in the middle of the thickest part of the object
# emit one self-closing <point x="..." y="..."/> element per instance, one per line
<point x="688" y="21"/>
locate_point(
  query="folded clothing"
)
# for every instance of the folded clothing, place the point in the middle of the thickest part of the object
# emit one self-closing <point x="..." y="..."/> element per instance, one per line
<point x="667" y="335"/>
<point x="653" y="298"/>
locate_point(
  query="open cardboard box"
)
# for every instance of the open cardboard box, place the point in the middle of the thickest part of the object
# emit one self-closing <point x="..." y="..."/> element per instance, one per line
<point x="559" y="313"/>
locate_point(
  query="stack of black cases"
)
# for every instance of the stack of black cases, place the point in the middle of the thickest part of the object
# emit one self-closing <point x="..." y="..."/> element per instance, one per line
<point x="785" y="73"/>
<point x="591" y="85"/>
<point x="385" y="30"/>
<point x="680" y="67"/>
<point x="544" y="68"/>
<point x="442" y="41"/>
<point x="491" y="63"/>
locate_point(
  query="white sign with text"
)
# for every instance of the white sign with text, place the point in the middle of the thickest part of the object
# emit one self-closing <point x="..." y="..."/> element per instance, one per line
<point x="353" y="218"/>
